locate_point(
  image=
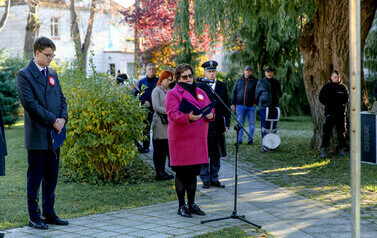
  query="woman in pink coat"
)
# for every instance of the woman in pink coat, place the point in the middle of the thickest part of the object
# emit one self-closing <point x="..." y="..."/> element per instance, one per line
<point x="187" y="136"/>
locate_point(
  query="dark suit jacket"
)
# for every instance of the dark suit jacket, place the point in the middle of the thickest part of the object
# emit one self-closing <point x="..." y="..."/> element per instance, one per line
<point x="3" y="145"/>
<point x="43" y="104"/>
<point x="222" y="115"/>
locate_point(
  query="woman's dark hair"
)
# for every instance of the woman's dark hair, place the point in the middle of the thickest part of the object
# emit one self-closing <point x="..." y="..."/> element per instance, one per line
<point x="181" y="68"/>
<point x="42" y="43"/>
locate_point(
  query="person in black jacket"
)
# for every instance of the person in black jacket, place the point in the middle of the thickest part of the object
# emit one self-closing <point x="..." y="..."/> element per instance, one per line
<point x="45" y="110"/>
<point x="374" y="92"/>
<point x="334" y="95"/>
<point x="121" y="77"/>
<point x="217" y="128"/>
<point x="244" y="103"/>
<point x="146" y="85"/>
<point x="268" y="93"/>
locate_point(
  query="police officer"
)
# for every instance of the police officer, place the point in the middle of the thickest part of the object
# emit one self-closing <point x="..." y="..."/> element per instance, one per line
<point x="45" y="110"/>
<point x="217" y="128"/>
<point x="334" y="95"/>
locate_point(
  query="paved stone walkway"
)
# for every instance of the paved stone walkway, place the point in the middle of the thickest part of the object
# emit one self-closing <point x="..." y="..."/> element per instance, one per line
<point x="279" y="211"/>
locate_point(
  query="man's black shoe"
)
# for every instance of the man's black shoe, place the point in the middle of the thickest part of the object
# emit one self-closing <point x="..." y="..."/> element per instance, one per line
<point x="143" y="150"/>
<point x="169" y="176"/>
<point x="217" y="184"/>
<point x="250" y="142"/>
<point x="205" y="185"/>
<point x="38" y="224"/>
<point x="161" y="176"/>
<point x="239" y="142"/>
<point x="184" y="211"/>
<point x="194" y="209"/>
<point x="55" y="220"/>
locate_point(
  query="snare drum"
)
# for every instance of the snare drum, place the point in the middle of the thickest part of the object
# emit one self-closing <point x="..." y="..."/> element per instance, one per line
<point x="271" y="142"/>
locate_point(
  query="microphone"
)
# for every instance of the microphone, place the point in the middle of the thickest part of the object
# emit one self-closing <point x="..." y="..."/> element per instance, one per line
<point x="205" y="80"/>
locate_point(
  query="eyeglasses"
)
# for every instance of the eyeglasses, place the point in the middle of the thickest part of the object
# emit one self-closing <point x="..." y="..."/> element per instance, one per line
<point x="49" y="56"/>
<point x="185" y="77"/>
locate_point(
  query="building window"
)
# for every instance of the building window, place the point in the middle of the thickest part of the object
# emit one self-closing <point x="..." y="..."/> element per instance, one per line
<point x="112" y="69"/>
<point x="54" y="26"/>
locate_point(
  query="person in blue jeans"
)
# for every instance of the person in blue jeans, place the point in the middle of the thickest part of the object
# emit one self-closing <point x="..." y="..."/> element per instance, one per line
<point x="244" y="103"/>
<point x="268" y="93"/>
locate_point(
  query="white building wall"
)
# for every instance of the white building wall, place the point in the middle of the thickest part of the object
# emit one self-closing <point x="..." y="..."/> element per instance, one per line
<point x="13" y="35"/>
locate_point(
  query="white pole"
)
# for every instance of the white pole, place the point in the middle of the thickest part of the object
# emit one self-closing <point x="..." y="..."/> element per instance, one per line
<point x="355" y="91"/>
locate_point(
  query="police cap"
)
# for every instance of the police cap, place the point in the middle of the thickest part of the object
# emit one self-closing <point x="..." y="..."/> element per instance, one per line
<point x="210" y="65"/>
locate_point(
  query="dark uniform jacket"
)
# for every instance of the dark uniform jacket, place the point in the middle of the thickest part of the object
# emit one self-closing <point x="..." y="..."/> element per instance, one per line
<point x="268" y="92"/>
<point x="216" y="137"/>
<point x="43" y="104"/>
<point x="150" y="84"/>
<point x="244" y="91"/>
<point x="3" y="145"/>
<point x="335" y="97"/>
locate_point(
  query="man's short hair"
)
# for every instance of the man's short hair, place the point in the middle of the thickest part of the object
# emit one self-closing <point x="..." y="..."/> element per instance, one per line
<point x="42" y="43"/>
<point x="335" y="72"/>
<point x="150" y="65"/>
<point x="181" y="68"/>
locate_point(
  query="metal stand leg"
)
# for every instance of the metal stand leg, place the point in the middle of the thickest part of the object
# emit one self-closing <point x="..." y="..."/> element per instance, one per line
<point x="234" y="214"/>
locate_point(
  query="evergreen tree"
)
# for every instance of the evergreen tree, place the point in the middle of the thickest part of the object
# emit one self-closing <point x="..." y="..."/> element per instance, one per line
<point x="8" y="91"/>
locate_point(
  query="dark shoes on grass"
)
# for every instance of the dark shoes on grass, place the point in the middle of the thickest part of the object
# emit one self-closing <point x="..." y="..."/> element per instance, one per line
<point x="191" y="209"/>
<point x="161" y="176"/>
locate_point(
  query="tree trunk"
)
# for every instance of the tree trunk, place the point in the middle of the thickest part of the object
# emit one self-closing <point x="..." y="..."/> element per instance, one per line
<point x="324" y="44"/>
<point x="137" y="45"/>
<point x="32" y="26"/>
<point x="82" y="49"/>
<point x="4" y="19"/>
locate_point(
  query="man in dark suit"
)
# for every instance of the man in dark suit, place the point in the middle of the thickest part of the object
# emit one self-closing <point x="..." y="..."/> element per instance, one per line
<point x="45" y="110"/>
<point x="217" y="128"/>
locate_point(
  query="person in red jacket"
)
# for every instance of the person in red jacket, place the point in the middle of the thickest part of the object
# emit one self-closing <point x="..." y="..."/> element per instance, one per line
<point x="187" y="137"/>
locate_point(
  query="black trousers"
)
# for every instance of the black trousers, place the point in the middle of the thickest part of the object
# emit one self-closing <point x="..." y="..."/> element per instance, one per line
<point x="160" y="151"/>
<point x="331" y="121"/>
<point x="147" y="130"/>
<point x="43" y="168"/>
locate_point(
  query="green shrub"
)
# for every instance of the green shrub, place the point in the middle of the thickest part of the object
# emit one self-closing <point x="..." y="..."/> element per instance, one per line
<point x="9" y="68"/>
<point x="104" y="122"/>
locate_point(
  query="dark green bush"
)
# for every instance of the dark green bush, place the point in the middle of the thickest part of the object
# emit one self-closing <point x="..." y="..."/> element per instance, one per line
<point x="104" y="122"/>
<point x="9" y="68"/>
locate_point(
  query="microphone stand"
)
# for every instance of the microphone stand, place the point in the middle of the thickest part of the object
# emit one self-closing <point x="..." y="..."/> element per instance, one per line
<point x="238" y="127"/>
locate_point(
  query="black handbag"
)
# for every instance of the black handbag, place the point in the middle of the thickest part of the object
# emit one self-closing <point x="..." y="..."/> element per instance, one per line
<point x="163" y="117"/>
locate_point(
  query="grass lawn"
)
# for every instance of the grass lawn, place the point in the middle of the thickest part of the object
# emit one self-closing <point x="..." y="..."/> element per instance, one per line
<point x="243" y="231"/>
<point x="72" y="199"/>
<point x="295" y="166"/>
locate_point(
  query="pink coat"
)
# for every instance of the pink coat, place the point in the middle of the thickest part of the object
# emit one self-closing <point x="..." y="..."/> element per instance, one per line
<point x="187" y="140"/>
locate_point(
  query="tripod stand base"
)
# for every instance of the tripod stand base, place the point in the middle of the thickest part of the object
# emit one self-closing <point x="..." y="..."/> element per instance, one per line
<point x="234" y="216"/>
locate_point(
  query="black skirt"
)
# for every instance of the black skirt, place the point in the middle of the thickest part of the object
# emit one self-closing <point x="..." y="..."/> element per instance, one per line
<point x="187" y="170"/>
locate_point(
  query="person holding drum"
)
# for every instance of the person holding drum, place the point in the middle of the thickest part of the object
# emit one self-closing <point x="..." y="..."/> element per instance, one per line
<point x="268" y="93"/>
